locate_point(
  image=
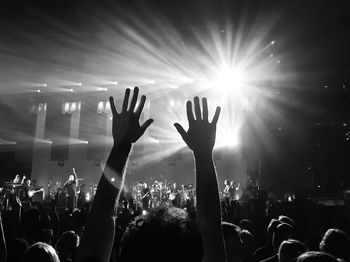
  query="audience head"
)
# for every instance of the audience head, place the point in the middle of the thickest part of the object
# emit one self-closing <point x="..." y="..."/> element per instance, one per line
<point x="283" y="231"/>
<point x="314" y="256"/>
<point x="271" y="228"/>
<point x="246" y="224"/>
<point x="41" y="252"/>
<point x="16" y="247"/>
<point x="66" y="245"/>
<point x="169" y="230"/>
<point x="286" y="219"/>
<point x="233" y="243"/>
<point x="248" y="243"/>
<point x="290" y="249"/>
<point x="337" y="243"/>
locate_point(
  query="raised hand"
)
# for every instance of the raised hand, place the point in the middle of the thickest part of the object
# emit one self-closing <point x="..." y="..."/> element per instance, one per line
<point x="201" y="133"/>
<point x="126" y="127"/>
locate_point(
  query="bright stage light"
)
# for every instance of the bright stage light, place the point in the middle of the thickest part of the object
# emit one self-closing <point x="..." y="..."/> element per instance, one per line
<point x="230" y="78"/>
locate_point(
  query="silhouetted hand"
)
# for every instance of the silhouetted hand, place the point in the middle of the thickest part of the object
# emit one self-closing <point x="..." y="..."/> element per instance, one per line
<point x="200" y="136"/>
<point x="126" y="127"/>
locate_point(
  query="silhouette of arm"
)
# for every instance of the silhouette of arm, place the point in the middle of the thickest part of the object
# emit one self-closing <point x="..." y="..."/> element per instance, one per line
<point x="97" y="239"/>
<point x="3" y="252"/>
<point x="200" y="138"/>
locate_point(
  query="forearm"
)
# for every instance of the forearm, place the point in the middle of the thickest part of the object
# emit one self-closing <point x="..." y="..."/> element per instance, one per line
<point x="208" y="208"/>
<point x="3" y="253"/>
<point x="97" y="239"/>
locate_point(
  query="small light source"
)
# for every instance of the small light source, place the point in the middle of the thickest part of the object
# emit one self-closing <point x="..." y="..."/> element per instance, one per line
<point x="38" y="91"/>
<point x="114" y="83"/>
<point x="272" y="42"/>
<point x="44" y="85"/>
<point x="87" y="196"/>
<point x="79" y="84"/>
<point x="112" y="179"/>
<point x="144" y="212"/>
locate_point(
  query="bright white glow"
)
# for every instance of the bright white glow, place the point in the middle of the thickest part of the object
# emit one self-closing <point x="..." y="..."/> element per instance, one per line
<point x="38" y="91"/>
<point x="112" y="179"/>
<point x="73" y="107"/>
<point x="144" y="212"/>
<point x="71" y="90"/>
<point x="230" y="78"/>
<point x="108" y="107"/>
<point x="66" y="108"/>
<point x="100" y="107"/>
<point x="87" y="196"/>
<point x="102" y="89"/>
<point x="79" y="84"/>
<point x="272" y="42"/>
<point x="44" y="85"/>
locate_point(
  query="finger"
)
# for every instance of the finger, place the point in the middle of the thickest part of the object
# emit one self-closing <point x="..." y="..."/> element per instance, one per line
<point x="140" y="107"/>
<point x="197" y="108"/>
<point x="190" y="116"/>
<point x="134" y="99"/>
<point x="181" y="130"/>
<point x="205" y="109"/>
<point x="216" y="116"/>
<point x="126" y="100"/>
<point x="146" y="125"/>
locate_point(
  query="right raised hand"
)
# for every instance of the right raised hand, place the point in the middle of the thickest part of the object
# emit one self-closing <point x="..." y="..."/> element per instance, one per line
<point x="200" y="136"/>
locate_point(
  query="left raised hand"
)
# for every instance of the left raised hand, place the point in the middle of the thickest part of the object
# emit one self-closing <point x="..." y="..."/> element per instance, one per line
<point x="126" y="127"/>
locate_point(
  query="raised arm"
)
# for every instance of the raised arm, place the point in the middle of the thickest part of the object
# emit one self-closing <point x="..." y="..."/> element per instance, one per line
<point x="98" y="237"/>
<point x="200" y="138"/>
<point x="3" y="252"/>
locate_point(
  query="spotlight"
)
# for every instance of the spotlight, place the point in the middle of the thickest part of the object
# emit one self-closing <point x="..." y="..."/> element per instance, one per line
<point x="79" y="84"/>
<point x="112" y="179"/>
<point x="144" y="212"/>
<point x="230" y="78"/>
<point x="102" y="89"/>
<point x="44" y="85"/>
<point x="272" y="42"/>
<point x="38" y="91"/>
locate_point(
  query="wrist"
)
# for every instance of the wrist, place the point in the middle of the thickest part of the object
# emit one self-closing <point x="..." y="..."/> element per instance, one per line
<point x="203" y="155"/>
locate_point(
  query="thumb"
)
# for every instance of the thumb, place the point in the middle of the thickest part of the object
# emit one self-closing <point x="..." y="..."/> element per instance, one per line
<point x="181" y="130"/>
<point x="146" y="125"/>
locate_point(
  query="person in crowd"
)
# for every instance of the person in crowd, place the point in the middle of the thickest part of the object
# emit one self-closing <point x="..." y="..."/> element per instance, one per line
<point x="337" y="243"/>
<point x="41" y="252"/>
<point x="66" y="246"/>
<point x="97" y="242"/>
<point x="286" y="219"/>
<point x="283" y="232"/>
<point x="267" y="251"/>
<point x="233" y="243"/>
<point x="315" y="256"/>
<point x="248" y="244"/>
<point x="290" y="250"/>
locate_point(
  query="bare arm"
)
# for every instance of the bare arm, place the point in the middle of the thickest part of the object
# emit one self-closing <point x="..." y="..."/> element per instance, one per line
<point x="97" y="239"/>
<point x="3" y="252"/>
<point x="200" y="138"/>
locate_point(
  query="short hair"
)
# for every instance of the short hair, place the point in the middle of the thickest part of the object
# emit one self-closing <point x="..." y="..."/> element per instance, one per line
<point x="271" y="228"/>
<point x="283" y="231"/>
<point x="290" y="249"/>
<point x="337" y="243"/>
<point x="67" y="244"/>
<point x="41" y="252"/>
<point x="170" y="230"/>
<point x="315" y="256"/>
<point x="233" y="243"/>
<point x="286" y="219"/>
